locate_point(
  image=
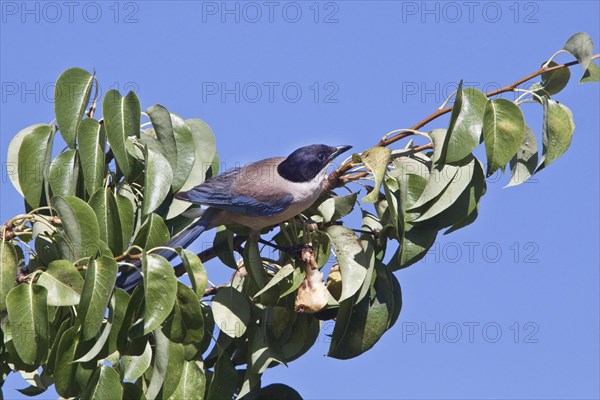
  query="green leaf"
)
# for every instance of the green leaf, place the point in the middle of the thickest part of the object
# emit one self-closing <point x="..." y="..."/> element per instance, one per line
<point x="417" y="241"/>
<point x="224" y="241"/>
<point x="168" y="360"/>
<point x="466" y="121"/>
<point x="412" y="176"/>
<point x="503" y="132"/>
<point x="160" y="287"/>
<point x="393" y="207"/>
<point x="34" y="158"/>
<point x="292" y="333"/>
<point x="440" y="177"/>
<point x="105" y="207"/>
<point x="100" y="278"/>
<point x="49" y="367"/>
<point x="224" y="381"/>
<point x="122" y="119"/>
<point x="336" y="207"/>
<point x="186" y="323"/>
<point x="80" y="226"/>
<point x="195" y="270"/>
<point x="278" y="391"/>
<point x="65" y="369"/>
<point x="83" y="371"/>
<point x="131" y="324"/>
<point x="63" y="174"/>
<point x="152" y="233"/>
<point x="163" y="126"/>
<point x="205" y="148"/>
<point x="468" y="220"/>
<point x="39" y="382"/>
<point x="105" y="384"/>
<point x="591" y="74"/>
<point x="174" y="368"/>
<point x="28" y="315"/>
<point x="157" y="180"/>
<point x="117" y="309"/>
<point x="321" y="245"/>
<point x="92" y="145"/>
<point x="285" y="272"/>
<point x="47" y="250"/>
<point x="359" y="326"/>
<point x="71" y="97"/>
<point x="465" y="204"/>
<point x="438" y="139"/>
<point x="452" y="191"/>
<point x="133" y="366"/>
<point x="351" y="257"/>
<point x="12" y="155"/>
<point x="192" y="383"/>
<point x="557" y="132"/>
<point x="254" y="263"/>
<point x="250" y="384"/>
<point x="9" y="265"/>
<point x="184" y="142"/>
<point x="101" y="346"/>
<point x="261" y="353"/>
<point x="63" y="282"/>
<point x="581" y="46"/>
<point x="214" y="167"/>
<point x="231" y="311"/>
<point x="523" y="164"/>
<point x="131" y="391"/>
<point x="376" y="159"/>
<point x="555" y="81"/>
<point x="126" y="218"/>
<point x="296" y="279"/>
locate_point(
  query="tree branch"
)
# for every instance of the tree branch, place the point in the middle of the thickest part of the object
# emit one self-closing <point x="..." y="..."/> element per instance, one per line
<point x="337" y="177"/>
<point x="209" y="254"/>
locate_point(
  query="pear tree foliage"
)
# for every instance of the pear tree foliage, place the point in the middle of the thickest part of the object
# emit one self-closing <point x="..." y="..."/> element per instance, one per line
<point x="105" y="203"/>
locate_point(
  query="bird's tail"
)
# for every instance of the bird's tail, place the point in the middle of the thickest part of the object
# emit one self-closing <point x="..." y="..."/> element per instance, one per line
<point x="131" y="277"/>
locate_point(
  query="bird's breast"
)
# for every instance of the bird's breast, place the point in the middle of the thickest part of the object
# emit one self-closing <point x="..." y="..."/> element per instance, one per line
<point x="304" y="194"/>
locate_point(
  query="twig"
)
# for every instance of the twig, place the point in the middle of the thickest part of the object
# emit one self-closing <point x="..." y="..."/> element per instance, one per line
<point x="214" y="289"/>
<point x="337" y="177"/>
<point x="209" y="254"/>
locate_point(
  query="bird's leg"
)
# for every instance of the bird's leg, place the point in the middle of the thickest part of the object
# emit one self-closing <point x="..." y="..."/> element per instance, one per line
<point x="294" y="251"/>
<point x="273" y="245"/>
<point x="281" y="228"/>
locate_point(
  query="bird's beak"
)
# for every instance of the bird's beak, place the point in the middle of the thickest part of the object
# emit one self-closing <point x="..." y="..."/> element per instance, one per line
<point x="339" y="150"/>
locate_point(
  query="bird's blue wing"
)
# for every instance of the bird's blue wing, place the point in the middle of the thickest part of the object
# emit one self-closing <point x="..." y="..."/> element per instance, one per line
<point x="220" y="192"/>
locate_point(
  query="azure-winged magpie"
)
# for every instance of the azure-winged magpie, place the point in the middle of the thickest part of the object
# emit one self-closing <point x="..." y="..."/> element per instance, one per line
<point x="259" y="195"/>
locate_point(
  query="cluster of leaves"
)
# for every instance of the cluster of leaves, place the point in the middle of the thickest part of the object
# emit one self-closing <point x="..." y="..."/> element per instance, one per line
<point x="105" y="204"/>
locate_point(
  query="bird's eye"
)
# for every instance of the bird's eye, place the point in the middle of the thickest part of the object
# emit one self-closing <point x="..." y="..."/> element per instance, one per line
<point x="321" y="156"/>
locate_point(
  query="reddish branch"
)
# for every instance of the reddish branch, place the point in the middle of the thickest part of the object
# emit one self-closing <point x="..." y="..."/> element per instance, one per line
<point x="337" y="177"/>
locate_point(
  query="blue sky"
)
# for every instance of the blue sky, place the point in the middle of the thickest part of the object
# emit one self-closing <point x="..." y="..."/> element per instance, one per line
<point x="506" y="308"/>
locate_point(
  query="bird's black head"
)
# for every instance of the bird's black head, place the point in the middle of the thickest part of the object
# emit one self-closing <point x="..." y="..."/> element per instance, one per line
<point x="305" y="163"/>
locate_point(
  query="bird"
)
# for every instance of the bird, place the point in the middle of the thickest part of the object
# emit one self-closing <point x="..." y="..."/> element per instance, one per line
<point x="259" y="195"/>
